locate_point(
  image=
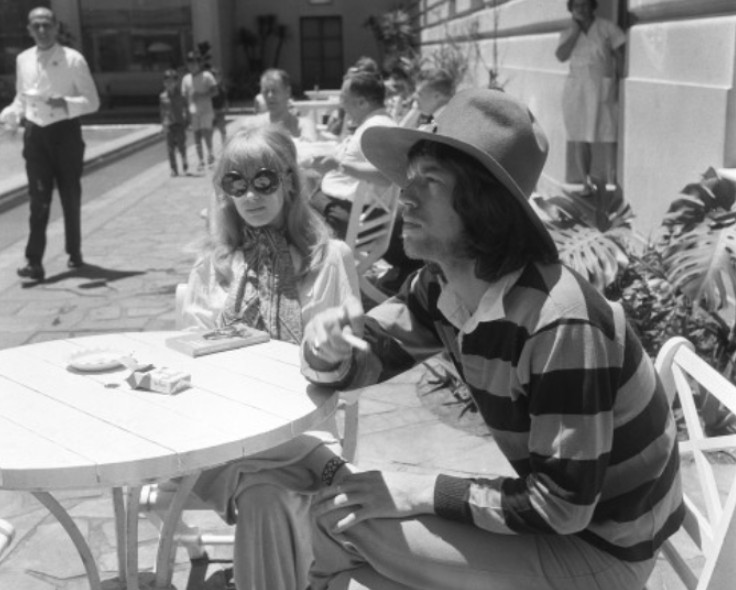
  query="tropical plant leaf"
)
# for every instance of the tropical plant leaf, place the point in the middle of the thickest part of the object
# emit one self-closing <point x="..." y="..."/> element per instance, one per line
<point x="559" y="211"/>
<point x="603" y="210"/>
<point x="711" y="197"/>
<point x="595" y="255"/>
<point x="702" y="264"/>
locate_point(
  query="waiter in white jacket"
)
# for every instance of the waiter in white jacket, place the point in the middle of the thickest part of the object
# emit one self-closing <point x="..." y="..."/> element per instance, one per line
<point x="54" y="88"/>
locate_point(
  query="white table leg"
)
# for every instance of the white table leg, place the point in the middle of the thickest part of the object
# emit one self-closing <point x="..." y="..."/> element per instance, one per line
<point x="53" y="506"/>
<point x="131" y="537"/>
<point x="167" y="543"/>
<point x="118" y="504"/>
<point x="125" y="506"/>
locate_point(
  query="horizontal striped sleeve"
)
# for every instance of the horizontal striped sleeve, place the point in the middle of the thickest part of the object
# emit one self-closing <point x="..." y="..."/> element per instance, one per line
<point x="405" y="329"/>
<point x="569" y="370"/>
<point x="520" y="514"/>
<point x="625" y="476"/>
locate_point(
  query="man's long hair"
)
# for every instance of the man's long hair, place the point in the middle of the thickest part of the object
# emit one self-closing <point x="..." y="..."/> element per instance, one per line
<point x="498" y="233"/>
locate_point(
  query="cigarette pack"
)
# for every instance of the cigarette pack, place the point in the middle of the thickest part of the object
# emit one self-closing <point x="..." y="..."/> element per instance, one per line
<point x="160" y="380"/>
<point x="219" y="340"/>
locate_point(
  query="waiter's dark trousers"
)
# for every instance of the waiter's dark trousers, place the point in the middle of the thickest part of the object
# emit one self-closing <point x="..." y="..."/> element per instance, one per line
<point x="54" y="155"/>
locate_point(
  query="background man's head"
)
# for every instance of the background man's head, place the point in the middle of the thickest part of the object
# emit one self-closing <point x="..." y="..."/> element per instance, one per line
<point x="582" y="9"/>
<point x="362" y="93"/>
<point x="194" y="62"/>
<point x="43" y="27"/>
<point x="364" y="63"/>
<point x="434" y="89"/>
<point x="171" y="79"/>
<point x="276" y="89"/>
<point x="399" y="83"/>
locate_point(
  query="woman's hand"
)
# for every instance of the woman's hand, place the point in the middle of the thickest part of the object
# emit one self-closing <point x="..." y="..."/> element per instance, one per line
<point x="356" y="497"/>
<point x="331" y="335"/>
<point x="324" y="163"/>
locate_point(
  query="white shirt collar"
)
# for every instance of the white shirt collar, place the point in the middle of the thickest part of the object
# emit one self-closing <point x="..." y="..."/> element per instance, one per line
<point x="490" y="307"/>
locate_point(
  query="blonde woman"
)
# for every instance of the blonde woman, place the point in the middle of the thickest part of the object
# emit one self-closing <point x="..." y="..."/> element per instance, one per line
<point x="270" y="264"/>
<point x="258" y="200"/>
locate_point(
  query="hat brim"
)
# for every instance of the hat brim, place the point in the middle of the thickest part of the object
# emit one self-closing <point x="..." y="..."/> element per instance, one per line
<point x="387" y="148"/>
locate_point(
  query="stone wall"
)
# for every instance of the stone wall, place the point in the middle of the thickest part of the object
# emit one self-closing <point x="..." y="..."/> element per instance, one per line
<point x="677" y="105"/>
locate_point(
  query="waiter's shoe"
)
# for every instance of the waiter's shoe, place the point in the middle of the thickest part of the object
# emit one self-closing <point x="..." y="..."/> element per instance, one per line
<point x="75" y="262"/>
<point x="32" y="271"/>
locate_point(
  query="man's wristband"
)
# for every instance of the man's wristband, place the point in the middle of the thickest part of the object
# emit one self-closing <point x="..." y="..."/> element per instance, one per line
<point x="331" y="468"/>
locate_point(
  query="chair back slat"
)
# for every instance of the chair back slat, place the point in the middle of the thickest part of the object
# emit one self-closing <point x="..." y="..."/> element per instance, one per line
<point x="684" y="374"/>
<point x="720" y="569"/>
<point x="369" y="233"/>
<point x="680" y="566"/>
<point x="706" y="477"/>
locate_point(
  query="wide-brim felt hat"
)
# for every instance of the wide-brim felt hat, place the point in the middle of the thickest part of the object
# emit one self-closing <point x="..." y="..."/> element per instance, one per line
<point x="491" y="126"/>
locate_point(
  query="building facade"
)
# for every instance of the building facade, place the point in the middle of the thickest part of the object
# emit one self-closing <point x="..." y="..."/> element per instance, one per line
<point x="128" y="43"/>
<point x="677" y="105"/>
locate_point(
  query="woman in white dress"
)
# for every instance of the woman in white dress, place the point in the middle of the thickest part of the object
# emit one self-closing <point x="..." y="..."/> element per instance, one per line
<point x="594" y="47"/>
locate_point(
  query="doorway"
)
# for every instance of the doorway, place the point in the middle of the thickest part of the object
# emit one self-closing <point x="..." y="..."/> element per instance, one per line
<point x="322" y="52"/>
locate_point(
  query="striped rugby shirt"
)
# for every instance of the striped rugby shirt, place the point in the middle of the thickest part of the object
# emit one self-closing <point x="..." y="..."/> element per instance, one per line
<point x="570" y="397"/>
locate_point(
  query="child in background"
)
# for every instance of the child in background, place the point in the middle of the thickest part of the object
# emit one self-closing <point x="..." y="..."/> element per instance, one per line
<point x="198" y="87"/>
<point x="175" y="120"/>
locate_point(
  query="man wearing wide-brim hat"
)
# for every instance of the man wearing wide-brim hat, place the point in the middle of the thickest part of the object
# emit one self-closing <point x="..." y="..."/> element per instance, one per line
<point x="567" y="392"/>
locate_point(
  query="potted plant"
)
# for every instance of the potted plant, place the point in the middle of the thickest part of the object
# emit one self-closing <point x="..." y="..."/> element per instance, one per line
<point x="681" y="283"/>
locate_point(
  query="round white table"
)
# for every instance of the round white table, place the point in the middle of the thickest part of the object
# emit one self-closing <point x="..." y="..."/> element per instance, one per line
<point x="66" y="429"/>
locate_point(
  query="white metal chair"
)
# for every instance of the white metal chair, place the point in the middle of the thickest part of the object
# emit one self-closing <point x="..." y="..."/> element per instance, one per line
<point x="7" y="532"/>
<point x="709" y="521"/>
<point x="180" y="294"/>
<point x="369" y="233"/>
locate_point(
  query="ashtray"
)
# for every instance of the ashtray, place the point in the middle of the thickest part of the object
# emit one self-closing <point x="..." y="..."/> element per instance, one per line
<point x="96" y="359"/>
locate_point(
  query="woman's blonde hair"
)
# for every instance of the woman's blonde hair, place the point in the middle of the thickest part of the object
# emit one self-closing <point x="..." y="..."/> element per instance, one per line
<point x="270" y="147"/>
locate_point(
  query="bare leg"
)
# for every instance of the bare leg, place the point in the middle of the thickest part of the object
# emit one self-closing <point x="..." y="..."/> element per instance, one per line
<point x="207" y="135"/>
<point x="610" y="155"/>
<point x="198" y="136"/>
<point x="584" y="159"/>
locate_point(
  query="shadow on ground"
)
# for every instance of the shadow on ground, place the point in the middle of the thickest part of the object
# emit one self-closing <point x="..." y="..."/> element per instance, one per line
<point x="97" y="276"/>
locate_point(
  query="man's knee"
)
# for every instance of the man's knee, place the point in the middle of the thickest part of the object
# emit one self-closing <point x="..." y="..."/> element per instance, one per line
<point x="267" y="502"/>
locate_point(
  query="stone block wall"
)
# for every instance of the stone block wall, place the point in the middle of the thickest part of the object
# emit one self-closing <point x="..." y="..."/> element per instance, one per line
<point x="677" y="105"/>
